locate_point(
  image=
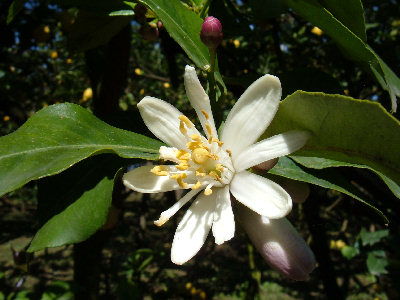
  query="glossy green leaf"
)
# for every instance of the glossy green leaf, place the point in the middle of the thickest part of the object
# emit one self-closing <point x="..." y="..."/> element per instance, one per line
<point x="352" y="45"/>
<point x="59" y="136"/>
<point x="345" y="132"/>
<point x="184" y="27"/>
<point x="328" y="178"/>
<point x="350" y="13"/>
<point x="74" y="204"/>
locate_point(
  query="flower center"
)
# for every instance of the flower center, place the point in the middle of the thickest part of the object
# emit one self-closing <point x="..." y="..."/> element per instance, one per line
<point x="202" y="165"/>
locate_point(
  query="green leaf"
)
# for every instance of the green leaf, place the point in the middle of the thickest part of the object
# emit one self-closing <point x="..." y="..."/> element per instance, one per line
<point x="184" y="27"/>
<point x="327" y="178"/>
<point x="74" y="204"/>
<point x="345" y="132"/>
<point x="371" y="238"/>
<point x="15" y="7"/>
<point x="59" y="136"/>
<point x="352" y="45"/>
<point x="377" y="263"/>
<point x="350" y="13"/>
<point x="349" y="252"/>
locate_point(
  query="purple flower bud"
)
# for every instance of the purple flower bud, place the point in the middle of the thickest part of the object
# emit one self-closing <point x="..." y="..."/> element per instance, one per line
<point x="211" y="32"/>
<point x="279" y="244"/>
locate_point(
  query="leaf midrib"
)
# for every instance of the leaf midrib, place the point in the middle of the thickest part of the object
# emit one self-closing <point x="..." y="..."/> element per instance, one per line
<point x="80" y="146"/>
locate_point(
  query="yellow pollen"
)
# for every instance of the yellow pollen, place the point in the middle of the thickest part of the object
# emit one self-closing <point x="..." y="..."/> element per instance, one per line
<point x="159" y="171"/>
<point x="205" y="114"/>
<point x="182" y="127"/>
<point x="182" y="155"/>
<point x="181" y="183"/>
<point x="200" y="172"/>
<point x="178" y="176"/>
<point x="219" y="167"/>
<point x="208" y="127"/>
<point x="185" y="119"/>
<point x="196" y="186"/>
<point x="195" y="137"/>
<point x="194" y="145"/>
<point x="200" y="155"/>
<point x="218" y="142"/>
<point x="229" y="152"/>
<point x="207" y="192"/>
<point x="213" y="156"/>
<point x="183" y="166"/>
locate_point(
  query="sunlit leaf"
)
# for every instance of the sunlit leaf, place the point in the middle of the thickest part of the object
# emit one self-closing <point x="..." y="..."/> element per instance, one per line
<point x="352" y="45"/>
<point x="59" y="136"/>
<point x="345" y="132"/>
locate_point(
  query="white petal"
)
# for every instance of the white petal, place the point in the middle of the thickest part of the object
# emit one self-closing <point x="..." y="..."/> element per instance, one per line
<point x="273" y="147"/>
<point x="223" y="227"/>
<point x="142" y="180"/>
<point x="279" y="243"/>
<point x="260" y="194"/>
<point x="252" y="114"/>
<point x="193" y="229"/>
<point x="163" y="121"/>
<point x="167" y="214"/>
<point x="199" y="99"/>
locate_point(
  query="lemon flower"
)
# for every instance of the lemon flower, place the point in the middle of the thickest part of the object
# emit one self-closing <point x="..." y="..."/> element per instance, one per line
<point x="213" y="167"/>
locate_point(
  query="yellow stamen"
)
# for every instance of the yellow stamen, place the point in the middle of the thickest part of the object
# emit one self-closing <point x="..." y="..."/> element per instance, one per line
<point x="182" y="155"/>
<point x="205" y="114"/>
<point x="196" y="186"/>
<point x="213" y="156"/>
<point x="208" y="127"/>
<point x="200" y="172"/>
<point x="218" y="141"/>
<point x="195" y="137"/>
<point x="207" y="192"/>
<point x="219" y="167"/>
<point x="194" y="145"/>
<point x="186" y="121"/>
<point x="183" y="166"/>
<point x="229" y="152"/>
<point x="200" y="155"/>
<point x="159" y="171"/>
<point x="178" y="176"/>
<point x="181" y="183"/>
<point x="182" y="127"/>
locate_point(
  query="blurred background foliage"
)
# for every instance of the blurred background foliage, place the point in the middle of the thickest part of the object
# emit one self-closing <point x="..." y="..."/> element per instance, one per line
<point x="101" y="55"/>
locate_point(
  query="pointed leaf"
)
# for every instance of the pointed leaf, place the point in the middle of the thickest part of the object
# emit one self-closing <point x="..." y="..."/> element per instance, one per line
<point x="59" y="136"/>
<point x="184" y="27"/>
<point x="327" y="178"/>
<point x="74" y="204"/>
<point x="345" y="132"/>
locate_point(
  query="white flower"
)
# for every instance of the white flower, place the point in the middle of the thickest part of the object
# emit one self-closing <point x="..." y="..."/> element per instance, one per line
<point x="215" y="167"/>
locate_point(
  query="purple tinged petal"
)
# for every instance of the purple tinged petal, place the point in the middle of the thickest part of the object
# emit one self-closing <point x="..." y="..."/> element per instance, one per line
<point x="279" y="244"/>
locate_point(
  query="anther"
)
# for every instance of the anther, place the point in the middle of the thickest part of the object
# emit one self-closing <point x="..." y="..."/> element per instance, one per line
<point x="182" y="128"/>
<point x="195" y="137"/>
<point x="185" y="119"/>
<point x="196" y="186"/>
<point x="229" y="152"/>
<point x="200" y="172"/>
<point x="207" y="192"/>
<point x="159" y="171"/>
<point x="208" y="127"/>
<point x="205" y="114"/>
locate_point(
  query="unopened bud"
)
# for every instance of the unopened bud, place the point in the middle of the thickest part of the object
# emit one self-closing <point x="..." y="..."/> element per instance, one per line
<point x="211" y="32"/>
